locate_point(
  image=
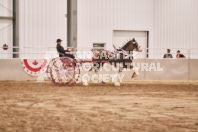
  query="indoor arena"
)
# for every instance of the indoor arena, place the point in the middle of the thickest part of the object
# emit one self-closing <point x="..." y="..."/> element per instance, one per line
<point x="98" y="65"/>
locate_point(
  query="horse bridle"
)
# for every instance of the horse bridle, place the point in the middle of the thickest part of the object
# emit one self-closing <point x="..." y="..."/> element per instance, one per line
<point x="136" y="44"/>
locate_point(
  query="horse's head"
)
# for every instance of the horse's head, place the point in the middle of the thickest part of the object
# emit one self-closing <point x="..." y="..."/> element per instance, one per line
<point x="136" y="46"/>
<point x="132" y="45"/>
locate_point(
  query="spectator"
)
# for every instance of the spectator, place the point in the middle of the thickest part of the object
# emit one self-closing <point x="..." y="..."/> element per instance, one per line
<point x="179" y="55"/>
<point x="168" y="54"/>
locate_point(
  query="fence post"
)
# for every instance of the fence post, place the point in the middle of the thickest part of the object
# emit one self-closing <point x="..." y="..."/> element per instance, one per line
<point x="189" y="64"/>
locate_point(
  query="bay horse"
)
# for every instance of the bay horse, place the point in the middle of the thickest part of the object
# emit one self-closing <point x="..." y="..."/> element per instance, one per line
<point x="125" y="57"/>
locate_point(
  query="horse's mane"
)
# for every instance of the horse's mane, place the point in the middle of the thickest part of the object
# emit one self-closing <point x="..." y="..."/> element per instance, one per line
<point x="126" y="45"/>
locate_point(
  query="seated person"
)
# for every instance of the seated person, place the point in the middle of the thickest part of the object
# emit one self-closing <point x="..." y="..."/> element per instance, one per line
<point x="179" y="55"/>
<point x="62" y="51"/>
<point x="168" y="54"/>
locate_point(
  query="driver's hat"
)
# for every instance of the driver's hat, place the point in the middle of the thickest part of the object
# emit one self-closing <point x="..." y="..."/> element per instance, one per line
<point x="59" y="40"/>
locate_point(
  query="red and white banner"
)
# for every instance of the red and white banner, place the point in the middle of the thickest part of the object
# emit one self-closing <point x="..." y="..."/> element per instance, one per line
<point x="34" y="67"/>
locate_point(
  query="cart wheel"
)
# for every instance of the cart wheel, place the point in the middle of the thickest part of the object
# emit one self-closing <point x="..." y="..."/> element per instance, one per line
<point x="63" y="71"/>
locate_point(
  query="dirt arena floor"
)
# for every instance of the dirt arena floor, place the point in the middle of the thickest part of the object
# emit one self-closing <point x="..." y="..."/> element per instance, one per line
<point x="138" y="106"/>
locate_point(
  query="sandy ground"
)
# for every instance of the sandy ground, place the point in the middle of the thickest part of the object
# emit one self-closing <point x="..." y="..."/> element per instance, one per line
<point x="146" y="106"/>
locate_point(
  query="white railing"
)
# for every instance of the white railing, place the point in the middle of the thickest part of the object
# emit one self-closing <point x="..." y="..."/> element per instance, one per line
<point x="42" y="52"/>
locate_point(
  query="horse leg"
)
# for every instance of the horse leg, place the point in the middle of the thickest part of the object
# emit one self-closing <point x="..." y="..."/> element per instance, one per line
<point x="116" y="82"/>
<point x="98" y="69"/>
<point x="85" y="82"/>
<point x="115" y="79"/>
<point x="136" y="72"/>
<point x="95" y="69"/>
<point x="121" y="69"/>
<point x="92" y="69"/>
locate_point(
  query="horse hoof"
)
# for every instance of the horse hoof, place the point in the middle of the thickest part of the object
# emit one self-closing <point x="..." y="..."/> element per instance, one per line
<point x="134" y="76"/>
<point x="85" y="84"/>
<point x="117" y="84"/>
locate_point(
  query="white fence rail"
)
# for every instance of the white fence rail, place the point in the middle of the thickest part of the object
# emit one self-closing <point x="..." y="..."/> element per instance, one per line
<point x="43" y="52"/>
